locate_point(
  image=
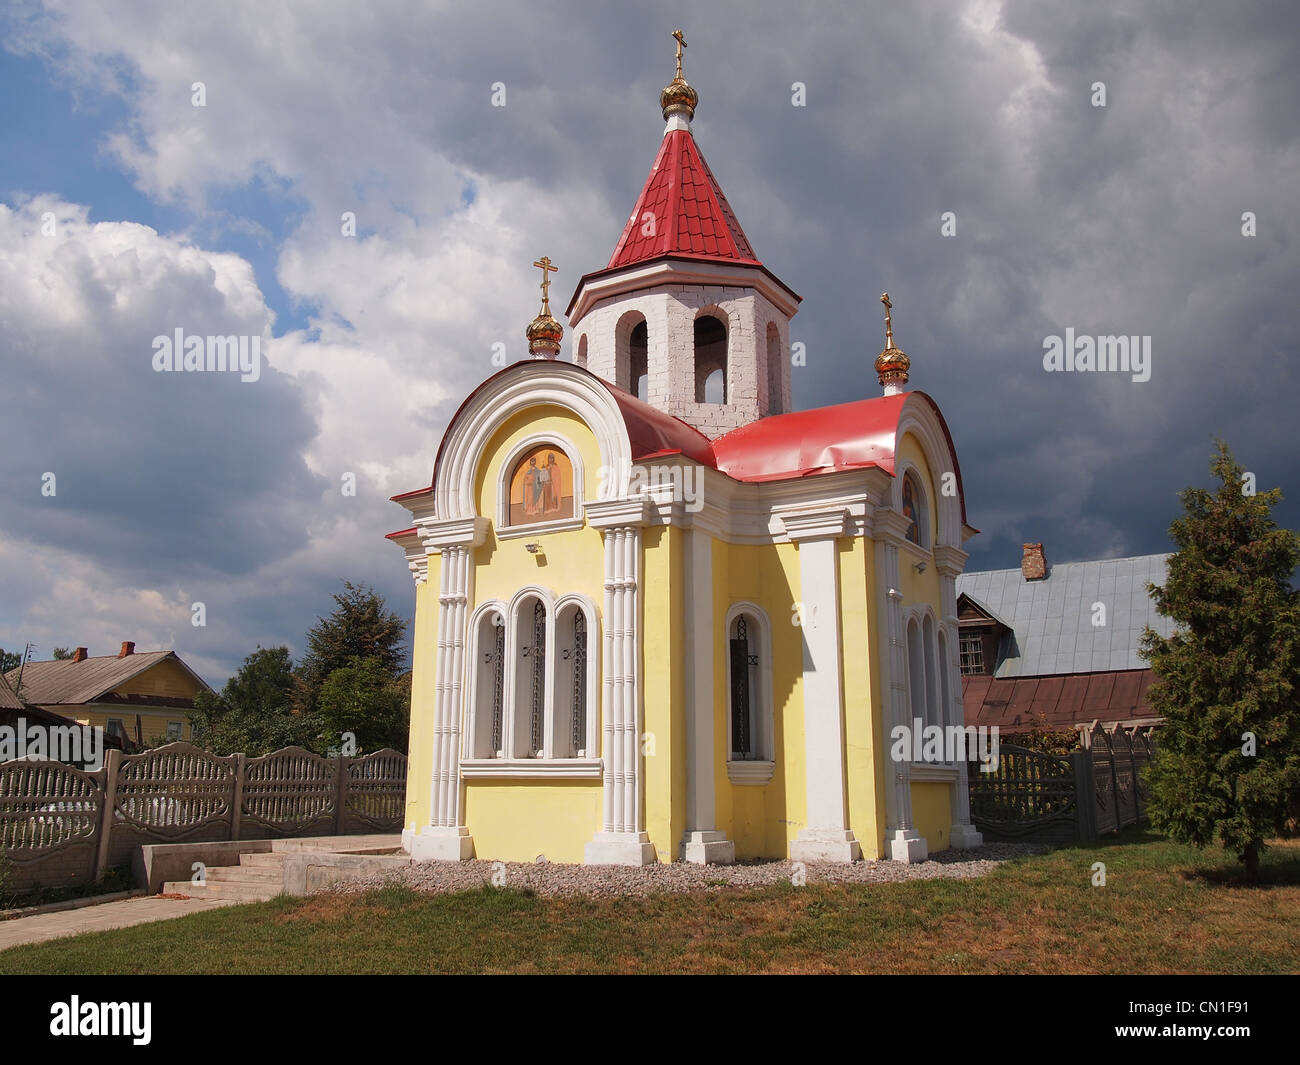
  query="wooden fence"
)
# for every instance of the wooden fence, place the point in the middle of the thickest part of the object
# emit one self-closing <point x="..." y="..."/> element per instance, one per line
<point x="60" y="826"/>
<point x="1063" y="798"/>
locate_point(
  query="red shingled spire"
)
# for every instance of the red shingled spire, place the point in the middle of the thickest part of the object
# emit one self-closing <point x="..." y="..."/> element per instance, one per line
<point x="682" y="212"/>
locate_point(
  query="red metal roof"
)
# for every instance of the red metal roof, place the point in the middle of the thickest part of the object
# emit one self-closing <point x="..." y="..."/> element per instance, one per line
<point x="824" y="440"/>
<point x="847" y="436"/>
<point x="691" y="216"/>
<point x="1019" y="704"/>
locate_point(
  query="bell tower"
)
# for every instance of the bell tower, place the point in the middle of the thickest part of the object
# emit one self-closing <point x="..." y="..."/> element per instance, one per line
<point x="684" y="315"/>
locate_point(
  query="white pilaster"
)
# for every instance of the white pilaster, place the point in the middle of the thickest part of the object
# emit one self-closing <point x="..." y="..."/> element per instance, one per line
<point x="446" y="837"/>
<point x="826" y="837"/>
<point x="904" y="842"/>
<point x="622" y="839"/>
<point x="949" y="561"/>
<point x="702" y="843"/>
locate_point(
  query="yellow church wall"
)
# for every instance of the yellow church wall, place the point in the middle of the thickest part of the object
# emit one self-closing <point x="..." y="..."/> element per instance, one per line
<point x="663" y="670"/>
<point x="424" y="659"/>
<point x="932" y="812"/>
<point x="761" y="820"/>
<point x="517" y="821"/>
<point x="861" y="718"/>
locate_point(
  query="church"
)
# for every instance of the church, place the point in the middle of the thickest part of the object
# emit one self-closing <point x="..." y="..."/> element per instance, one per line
<point x="660" y="614"/>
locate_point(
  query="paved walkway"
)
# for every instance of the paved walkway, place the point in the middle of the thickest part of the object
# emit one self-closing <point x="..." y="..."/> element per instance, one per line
<point x="121" y="914"/>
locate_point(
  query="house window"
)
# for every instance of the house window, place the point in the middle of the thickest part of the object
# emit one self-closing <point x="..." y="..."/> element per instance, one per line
<point x="710" y="360"/>
<point x="173" y="731"/>
<point x="541" y="486"/>
<point x="914" y="511"/>
<point x="116" y="728"/>
<point x="971" y="650"/>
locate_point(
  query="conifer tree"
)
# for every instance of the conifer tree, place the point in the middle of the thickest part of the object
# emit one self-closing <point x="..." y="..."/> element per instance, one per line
<point x="1227" y="682"/>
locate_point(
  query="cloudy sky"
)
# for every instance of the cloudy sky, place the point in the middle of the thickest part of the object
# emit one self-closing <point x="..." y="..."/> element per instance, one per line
<point x="127" y="212"/>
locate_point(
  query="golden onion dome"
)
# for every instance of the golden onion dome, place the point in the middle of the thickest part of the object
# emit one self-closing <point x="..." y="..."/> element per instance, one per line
<point x="544" y="334"/>
<point x="678" y="98"/>
<point x="892" y="364"/>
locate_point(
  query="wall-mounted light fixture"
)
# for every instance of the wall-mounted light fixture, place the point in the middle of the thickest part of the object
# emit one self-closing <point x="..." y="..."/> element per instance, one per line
<point x="532" y="549"/>
<point x="919" y="567"/>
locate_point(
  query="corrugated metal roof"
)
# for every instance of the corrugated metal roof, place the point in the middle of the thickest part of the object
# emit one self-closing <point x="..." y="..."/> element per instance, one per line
<point x="65" y="681"/>
<point x="8" y="700"/>
<point x="1021" y="703"/>
<point x="1053" y="618"/>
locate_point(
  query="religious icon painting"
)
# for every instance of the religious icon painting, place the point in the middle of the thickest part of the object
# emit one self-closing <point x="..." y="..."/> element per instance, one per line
<point x="912" y="510"/>
<point x="541" y="486"/>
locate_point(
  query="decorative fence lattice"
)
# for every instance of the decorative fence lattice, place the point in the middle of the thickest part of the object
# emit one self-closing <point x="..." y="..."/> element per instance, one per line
<point x="174" y="790"/>
<point x="1118" y="759"/>
<point x="1028" y="794"/>
<point x="1095" y="789"/>
<point x="291" y="789"/>
<point x="59" y="825"/>
<point x="44" y="805"/>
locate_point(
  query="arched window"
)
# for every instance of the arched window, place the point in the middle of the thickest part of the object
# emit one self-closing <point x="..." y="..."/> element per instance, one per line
<point x="489" y="688"/>
<point x="529" y="705"/>
<point x="628" y="351"/>
<point x="914" y="509"/>
<point x="932" y="712"/>
<point x="638" y="361"/>
<point x="775" y="368"/>
<point x="572" y="683"/>
<point x="541" y="486"/>
<point x="581" y="357"/>
<point x="750" y="726"/>
<point x="915" y="672"/>
<point x="710" y="360"/>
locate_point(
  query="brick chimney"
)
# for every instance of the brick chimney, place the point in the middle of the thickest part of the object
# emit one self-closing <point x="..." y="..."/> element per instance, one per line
<point x="128" y="648"/>
<point x="79" y="655"/>
<point x="1032" y="563"/>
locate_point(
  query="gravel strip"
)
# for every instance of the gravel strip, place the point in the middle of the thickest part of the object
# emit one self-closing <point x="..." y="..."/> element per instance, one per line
<point x="552" y="878"/>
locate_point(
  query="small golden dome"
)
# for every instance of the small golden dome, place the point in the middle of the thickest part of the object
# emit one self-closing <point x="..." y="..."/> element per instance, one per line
<point x="544" y="334"/>
<point x="678" y="98"/>
<point x="892" y="365"/>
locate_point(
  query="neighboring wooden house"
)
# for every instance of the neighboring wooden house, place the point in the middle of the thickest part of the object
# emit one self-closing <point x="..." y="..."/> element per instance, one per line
<point x="140" y="698"/>
<point x="1057" y="647"/>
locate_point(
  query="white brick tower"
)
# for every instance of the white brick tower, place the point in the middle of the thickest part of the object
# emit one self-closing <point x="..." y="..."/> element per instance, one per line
<point x="684" y="314"/>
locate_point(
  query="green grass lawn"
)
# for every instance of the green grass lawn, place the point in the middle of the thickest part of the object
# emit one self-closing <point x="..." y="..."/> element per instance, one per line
<point x="1165" y="909"/>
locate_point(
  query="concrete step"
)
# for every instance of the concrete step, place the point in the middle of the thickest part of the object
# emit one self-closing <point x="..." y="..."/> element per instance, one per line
<point x="241" y="890"/>
<point x="269" y="874"/>
<point x="262" y="860"/>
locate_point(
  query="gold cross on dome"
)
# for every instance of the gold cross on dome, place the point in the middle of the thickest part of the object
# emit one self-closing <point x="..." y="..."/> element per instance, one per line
<point x="544" y="264"/>
<point x="681" y="43"/>
<point x="889" y="326"/>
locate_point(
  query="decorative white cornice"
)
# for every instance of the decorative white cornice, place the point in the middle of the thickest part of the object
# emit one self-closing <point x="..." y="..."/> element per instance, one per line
<point x="531" y="768"/>
<point x="417" y="556"/>
<point x="458" y="532"/>
<point x="617" y="513"/>
<point x="813" y="524"/>
<point x="664" y="272"/>
<point x="891" y="526"/>
<point x="950" y="561"/>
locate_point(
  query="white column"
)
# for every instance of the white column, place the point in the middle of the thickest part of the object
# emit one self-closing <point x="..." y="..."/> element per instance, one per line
<point x="703" y="843"/>
<point x="826" y="837"/>
<point x="949" y="562"/>
<point x="446" y="837"/>
<point x="905" y="843"/>
<point x="622" y="839"/>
